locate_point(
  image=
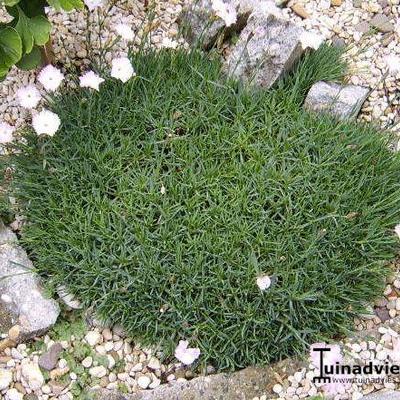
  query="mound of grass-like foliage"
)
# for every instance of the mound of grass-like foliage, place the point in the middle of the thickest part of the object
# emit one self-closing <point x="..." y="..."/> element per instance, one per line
<point x="162" y="200"/>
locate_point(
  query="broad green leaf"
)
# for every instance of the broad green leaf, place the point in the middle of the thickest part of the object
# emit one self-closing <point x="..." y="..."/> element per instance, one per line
<point x="31" y="60"/>
<point x="24" y="30"/>
<point x="66" y="5"/>
<point x="3" y="71"/>
<point x="10" y="47"/>
<point x="40" y="28"/>
<point x="33" y="8"/>
<point x="10" y="3"/>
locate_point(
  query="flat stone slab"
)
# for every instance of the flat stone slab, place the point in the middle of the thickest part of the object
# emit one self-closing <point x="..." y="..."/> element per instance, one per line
<point x="22" y="301"/>
<point x="383" y="395"/>
<point x="245" y="384"/>
<point x="267" y="48"/>
<point x="341" y="101"/>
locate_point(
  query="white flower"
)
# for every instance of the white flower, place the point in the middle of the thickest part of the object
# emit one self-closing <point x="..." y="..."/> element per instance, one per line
<point x="226" y="12"/>
<point x="125" y="31"/>
<point x="6" y="132"/>
<point x="310" y="40"/>
<point x="28" y="96"/>
<point x="393" y="64"/>
<point x="169" y="43"/>
<point x="91" y="80"/>
<point x="186" y="355"/>
<point x="122" y="69"/>
<point x="50" y="77"/>
<point x="397" y="230"/>
<point x="46" y="123"/>
<point x="263" y="282"/>
<point x="92" y="4"/>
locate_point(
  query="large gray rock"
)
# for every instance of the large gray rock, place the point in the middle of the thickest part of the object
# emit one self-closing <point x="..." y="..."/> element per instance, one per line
<point x="268" y="47"/>
<point x="383" y="395"/>
<point x="246" y="384"/>
<point x="201" y="26"/>
<point x="342" y="101"/>
<point x="22" y="301"/>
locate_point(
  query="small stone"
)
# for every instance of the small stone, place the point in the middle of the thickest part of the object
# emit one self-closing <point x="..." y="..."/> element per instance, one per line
<point x="336" y="3"/>
<point x="277" y="388"/>
<point x="300" y="11"/>
<point x="155" y="383"/>
<point x="56" y="387"/>
<point x="362" y="27"/>
<point x="87" y="362"/>
<point x="14" y="333"/>
<point x="154" y="363"/>
<point x="33" y="376"/>
<point x="5" y="378"/>
<point x="382" y="313"/>
<point x="107" y="334"/>
<point x="382" y="23"/>
<point x="137" y="367"/>
<point x="13" y="394"/>
<point x="144" y="381"/>
<point x="93" y="338"/>
<point x="392" y="313"/>
<point x="48" y="360"/>
<point x="98" y="372"/>
<point x="341" y="101"/>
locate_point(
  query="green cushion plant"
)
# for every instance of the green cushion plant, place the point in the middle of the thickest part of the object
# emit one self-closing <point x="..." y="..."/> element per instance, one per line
<point x="160" y="201"/>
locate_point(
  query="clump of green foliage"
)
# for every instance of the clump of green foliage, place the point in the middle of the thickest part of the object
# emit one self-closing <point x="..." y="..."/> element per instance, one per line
<point x="160" y="201"/>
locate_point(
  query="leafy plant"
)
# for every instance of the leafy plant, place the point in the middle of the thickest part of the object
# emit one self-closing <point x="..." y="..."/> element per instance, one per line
<point x="22" y="38"/>
<point x="160" y="201"/>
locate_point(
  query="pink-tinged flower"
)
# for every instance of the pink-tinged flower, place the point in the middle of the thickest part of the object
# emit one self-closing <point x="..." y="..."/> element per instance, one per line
<point x="50" y="77"/>
<point x="226" y="12"/>
<point x="310" y="40"/>
<point x="169" y="43"/>
<point x="263" y="282"/>
<point x="46" y="123"/>
<point x="93" y="4"/>
<point x="393" y="64"/>
<point x="125" y="32"/>
<point x="122" y="69"/>
<point x="185" y="354"/>
<point x="28" y="96"/>
<point x="91" y="80"/>
<point x="6" y="131"/>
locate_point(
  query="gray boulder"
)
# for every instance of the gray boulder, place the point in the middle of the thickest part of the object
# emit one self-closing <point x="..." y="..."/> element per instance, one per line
<point x="22" y="301"/>
<point x="384" y="394"/>
<point x="245" y="384"/>
<point x="342" y="101"/>
<point x="268" y="47"/>
<point x="201" y="26"/>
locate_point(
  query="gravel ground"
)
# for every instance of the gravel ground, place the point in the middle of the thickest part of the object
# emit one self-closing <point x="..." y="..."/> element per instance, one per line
<point x="371" y="29"/>
<point x="71" y="359"/>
